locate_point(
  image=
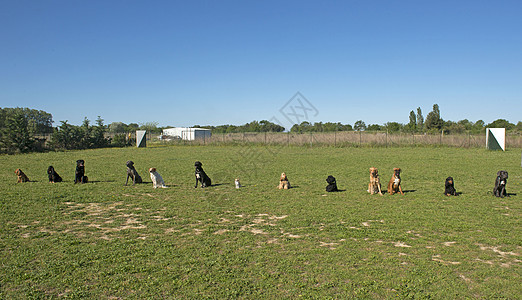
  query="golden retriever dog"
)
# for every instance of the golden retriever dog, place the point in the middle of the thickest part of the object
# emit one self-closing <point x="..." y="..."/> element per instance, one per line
<point x="21" y="176"/>
<point x="374" y="186"/>
<point x="394" y="186"/>
<point x="284" y="184"/>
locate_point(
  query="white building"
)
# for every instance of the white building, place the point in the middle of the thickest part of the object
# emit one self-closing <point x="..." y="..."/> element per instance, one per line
<point x="187" y="133"/>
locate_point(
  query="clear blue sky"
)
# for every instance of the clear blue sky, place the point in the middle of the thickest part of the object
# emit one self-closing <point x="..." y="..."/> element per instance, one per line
<point x="230" y="62"/>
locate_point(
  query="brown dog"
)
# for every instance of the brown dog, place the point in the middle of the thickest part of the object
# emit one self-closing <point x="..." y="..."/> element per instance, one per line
<point x="21" y="176"/>
<point x="394" y="186"/>
<point x="375" y="183"/>
<point x="284" y="184"/>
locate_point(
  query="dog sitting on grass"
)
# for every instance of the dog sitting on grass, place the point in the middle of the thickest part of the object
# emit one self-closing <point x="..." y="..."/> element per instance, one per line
<point x="80" y="172"/>
<point x="53" y="175"/>
<point x="394" y="186"/>
<point x="157" y="180"/>
<point x="332" y="184"/>
<point x="449" y="187"/>
<point x="21" y="176"/>
<point x="132" y="173"/>
<point x="500" y="184"/>
<point x="201" y="176"/>
<point x="375" y="183"/>
<point x="284" y="183"/>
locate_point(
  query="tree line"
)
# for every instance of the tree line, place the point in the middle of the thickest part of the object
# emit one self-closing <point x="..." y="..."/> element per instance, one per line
<point x="254" y="126"/>
<point x="19" y="126"/>
<point x="21" y="131"/>
<point x="433" y="123"/>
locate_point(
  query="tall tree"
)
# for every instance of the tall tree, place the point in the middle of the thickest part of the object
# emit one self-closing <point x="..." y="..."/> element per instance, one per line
<point x="412" y="125"/>
<point x="420" y="119"/>
<point x="433" y="119"/>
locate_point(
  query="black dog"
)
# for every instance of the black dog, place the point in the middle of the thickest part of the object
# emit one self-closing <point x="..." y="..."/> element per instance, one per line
<point x="450" y="187"/>
<point x="201" y="176"/>
<point x="131" y="172"/>
<point x="53" y="176"/>
<point x="332" y="185"/>
<point x="80" y="172"/>
<point x="500" y="184"/>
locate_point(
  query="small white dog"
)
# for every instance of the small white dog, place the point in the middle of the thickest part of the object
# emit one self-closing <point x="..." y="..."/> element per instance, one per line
<point x="238" y="184"/>
<point x="157" y="180"/>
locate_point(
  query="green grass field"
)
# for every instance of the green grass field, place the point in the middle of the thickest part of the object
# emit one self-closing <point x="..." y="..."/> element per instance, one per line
<point x="107" y="240"/>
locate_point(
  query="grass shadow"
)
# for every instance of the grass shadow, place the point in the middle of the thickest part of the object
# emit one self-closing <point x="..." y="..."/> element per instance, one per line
<point x="338" y="191"/>
<point x="219" y="184"/>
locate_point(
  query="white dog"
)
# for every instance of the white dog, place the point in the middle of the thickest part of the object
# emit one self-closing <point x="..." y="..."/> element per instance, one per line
<point x="157" y="180"/>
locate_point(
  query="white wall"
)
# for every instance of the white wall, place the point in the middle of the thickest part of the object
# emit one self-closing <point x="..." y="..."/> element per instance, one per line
<point x="187" y="133"/>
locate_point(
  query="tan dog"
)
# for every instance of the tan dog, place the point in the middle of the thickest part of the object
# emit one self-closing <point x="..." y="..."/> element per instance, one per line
<point x="394" y="186"/>
<point x="21" y="176"/>
<point x="284" y="184"/>
<point x="375" y="182"/>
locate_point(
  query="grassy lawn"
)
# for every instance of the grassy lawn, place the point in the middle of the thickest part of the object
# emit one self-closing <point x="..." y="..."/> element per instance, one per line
<point x="107" y="240"/>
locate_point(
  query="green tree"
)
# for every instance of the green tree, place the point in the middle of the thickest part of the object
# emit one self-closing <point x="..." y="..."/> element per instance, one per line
<point x="267" y="126"/>
<point x="15" y="134"/>
<point x="359" y="126"/>
<point x="117" y="127"/>
<point x="98" y="139"/>
<point x="420" y="120"/>
<point x="412" y="125"/>
<point x="501" y="123"/>
<point x="132" y="127"/>
<point x="479" y="127"/>
<point x="433" y="120"/>
<point x="152" y="126"/>
<point x="296" y="128"/>
<point x="374" y="127"/>
<point x="466" y="124"/>
<point x="393" y="126"/>
<point x="451" y="127"/>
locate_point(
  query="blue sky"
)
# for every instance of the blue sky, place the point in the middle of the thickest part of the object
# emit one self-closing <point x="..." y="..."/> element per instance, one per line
<point x="182" y="63"/>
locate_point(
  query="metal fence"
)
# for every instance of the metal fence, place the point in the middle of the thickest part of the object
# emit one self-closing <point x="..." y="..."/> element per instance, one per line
<point x="341" y="138"/>
<point x="352" y="138"/>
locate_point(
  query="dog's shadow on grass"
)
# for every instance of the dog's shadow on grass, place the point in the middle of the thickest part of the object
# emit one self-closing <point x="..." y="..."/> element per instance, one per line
<point x="456" y="194"/>
<point x="409" y="191"/>
<point x="98" y="181"/>
<point x="511" y="194"/>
